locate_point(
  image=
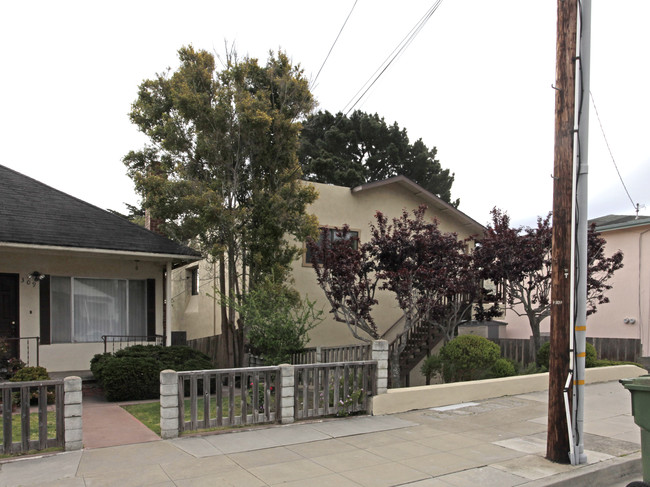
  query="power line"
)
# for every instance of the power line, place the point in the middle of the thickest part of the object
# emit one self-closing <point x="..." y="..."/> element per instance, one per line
<point x="401" y="47"/>
<point x="334" y="43"/>
<point x="635" y="206"/>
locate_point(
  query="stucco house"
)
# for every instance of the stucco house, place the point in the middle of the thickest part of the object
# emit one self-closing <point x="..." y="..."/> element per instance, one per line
<point x="624" y="322"/>
<point x="71" y="272"/>
<point x="196" y="308"/>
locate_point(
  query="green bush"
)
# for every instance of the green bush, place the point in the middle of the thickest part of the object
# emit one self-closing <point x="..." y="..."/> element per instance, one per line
<point x="133" y="373"/>
<point x="503" y="368"/>
<point x="544" y="353"/>
<point x="131" y="378"/>
<point x="468" y="357"/>
<point x="431" y="366"/>
<point x="27" y="374"/>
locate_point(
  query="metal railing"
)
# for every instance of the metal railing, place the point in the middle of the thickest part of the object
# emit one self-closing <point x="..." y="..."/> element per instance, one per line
<point x="118" y="342"/>
<point x="28" y="354"/>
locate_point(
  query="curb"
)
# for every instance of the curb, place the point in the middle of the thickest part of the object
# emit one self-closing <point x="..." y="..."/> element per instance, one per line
<point x="609" y="473"/>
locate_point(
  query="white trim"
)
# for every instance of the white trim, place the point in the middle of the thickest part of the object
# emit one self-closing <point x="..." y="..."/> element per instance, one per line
<point x="85" y="250"/>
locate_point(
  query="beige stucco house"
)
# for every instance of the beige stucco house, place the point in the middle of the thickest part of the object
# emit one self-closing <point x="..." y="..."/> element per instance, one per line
<point x="71" y="272"/>
<point x="627" y="315"/>
<point x="196" y="309"/>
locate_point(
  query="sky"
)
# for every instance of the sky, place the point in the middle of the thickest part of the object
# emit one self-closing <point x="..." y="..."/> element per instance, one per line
<point x="476" y="83"/>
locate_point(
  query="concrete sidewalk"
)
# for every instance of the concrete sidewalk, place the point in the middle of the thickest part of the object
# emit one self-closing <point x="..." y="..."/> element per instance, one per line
<point x="497" y="442"/>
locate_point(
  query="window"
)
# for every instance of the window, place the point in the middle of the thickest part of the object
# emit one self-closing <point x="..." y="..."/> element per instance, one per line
<point x="193" y="276"/>
<point x="333" y="236"/>
<point x="82" y="309"/>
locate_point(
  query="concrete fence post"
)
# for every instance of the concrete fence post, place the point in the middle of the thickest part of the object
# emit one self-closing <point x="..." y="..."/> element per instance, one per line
<point x="380" y="354"/>
<point x="169" y="404"/>
<point x="72" y="408"/>
<point x="287" y="381"/>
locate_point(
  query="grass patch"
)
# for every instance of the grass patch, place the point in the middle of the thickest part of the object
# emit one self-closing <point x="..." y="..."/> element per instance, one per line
<point x="148" y="413"/>
<point x="33" y="426"/>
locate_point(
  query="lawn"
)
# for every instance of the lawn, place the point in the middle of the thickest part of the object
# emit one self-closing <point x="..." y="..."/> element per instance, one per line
<point x="33" y="426"/>
<point x="148" y="413"/>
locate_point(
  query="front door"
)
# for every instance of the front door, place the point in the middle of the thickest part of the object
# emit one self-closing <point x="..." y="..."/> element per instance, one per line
<point x="9" y="326"/>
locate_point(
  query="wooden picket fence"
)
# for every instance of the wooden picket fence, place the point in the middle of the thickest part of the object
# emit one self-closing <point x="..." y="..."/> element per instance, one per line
<point x="340" y="388"/>
<point x="228" y="397"/>
<point x="18" y="395"/>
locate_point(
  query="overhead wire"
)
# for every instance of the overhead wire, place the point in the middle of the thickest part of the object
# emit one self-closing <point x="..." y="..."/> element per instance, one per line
<point x="636" y="206"/>
<point x="399" y="49"/>
<point x="334" y="43"/>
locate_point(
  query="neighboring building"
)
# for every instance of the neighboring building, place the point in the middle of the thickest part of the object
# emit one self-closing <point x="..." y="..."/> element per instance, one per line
<point x="626" y="317"/>
<point x="71" y="272"/>
<point x="196" y="308"/>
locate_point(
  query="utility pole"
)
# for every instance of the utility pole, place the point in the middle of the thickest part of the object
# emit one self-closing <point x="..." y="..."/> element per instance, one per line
<point x="557" y="442"/>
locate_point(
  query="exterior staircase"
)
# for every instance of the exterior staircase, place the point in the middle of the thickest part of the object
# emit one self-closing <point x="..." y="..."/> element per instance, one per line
<point x="416" y="344"/>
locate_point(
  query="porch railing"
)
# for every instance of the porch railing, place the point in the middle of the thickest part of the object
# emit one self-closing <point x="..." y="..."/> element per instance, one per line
<point x="25" y="430"/>
<point x="30" y="351"/>
<point x="112" y="343"/>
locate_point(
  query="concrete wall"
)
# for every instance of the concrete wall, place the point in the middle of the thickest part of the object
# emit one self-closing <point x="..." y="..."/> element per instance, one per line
<point x="69" y="356"/>
<point x="407" y="399"/>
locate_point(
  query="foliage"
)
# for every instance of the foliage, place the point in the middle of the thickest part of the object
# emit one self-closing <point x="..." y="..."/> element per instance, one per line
<point x="503" y="368"/>
<point x="518" y="261"/>
<point x="27" y="374"/>
<point x="221" y="167"/>
<point x="277" y="321"/>
<point x="362" y="148"/>
<point x="544" y="352"/>
<point x="131" y="378"/>
<point x="261" y="391"/>
<point x="430" y="272"/>
<point x="8" y="365"/>
<point x="346" y="273"/>
<point x="133" y="373"/>
<point x="431" y="366"/>
<point x="467" y="357"/>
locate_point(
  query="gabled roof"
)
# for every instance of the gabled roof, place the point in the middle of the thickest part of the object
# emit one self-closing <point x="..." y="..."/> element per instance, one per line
<point x="34" y="214"/>
<point x="617" y="222"/>
<point x="433" y="201"/>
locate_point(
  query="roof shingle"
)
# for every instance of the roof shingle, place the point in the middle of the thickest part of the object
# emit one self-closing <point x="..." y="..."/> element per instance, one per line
<point x="33" y="213"/>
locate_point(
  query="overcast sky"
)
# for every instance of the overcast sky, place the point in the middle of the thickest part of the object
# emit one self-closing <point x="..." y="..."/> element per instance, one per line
<point x="475" y="83"/>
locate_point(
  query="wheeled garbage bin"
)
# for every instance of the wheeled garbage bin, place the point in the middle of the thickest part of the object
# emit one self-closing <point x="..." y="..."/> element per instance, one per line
<point x="639" y="387"/>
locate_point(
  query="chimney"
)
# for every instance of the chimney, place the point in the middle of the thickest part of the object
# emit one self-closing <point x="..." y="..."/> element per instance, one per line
<point x="152" y="224"/>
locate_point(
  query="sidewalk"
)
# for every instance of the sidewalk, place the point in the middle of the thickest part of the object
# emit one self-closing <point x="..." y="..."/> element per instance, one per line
<point x="497" y="442"/>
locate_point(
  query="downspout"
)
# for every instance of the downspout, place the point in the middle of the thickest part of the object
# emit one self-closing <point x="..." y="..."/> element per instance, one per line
<point x="643" y="322"/>
<point x="167" y="303"/>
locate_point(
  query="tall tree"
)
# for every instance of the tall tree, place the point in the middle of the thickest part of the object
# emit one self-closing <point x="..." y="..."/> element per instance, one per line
<point x="518" y="260"/>
<point x="221" y="167"/>
<point x="362" y="148"/>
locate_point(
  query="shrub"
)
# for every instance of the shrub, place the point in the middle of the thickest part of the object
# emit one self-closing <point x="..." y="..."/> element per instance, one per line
<point x="431" y="366"/>
<point x="545" y="350"/>
<point x="467" y="357"/>
<point x="277" y="321"/>
<point x="131" y="378"/>
<point x="133" y="373"/>
<point x="27" y="374"/>
<point x="503" y="368"/>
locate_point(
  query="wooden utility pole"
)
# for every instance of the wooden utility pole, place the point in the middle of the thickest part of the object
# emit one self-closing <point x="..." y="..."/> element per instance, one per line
<point x="557" y="443"/>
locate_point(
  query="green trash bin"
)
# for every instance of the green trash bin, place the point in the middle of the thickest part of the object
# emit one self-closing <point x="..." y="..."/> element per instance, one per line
<point x="640" y="390"/>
